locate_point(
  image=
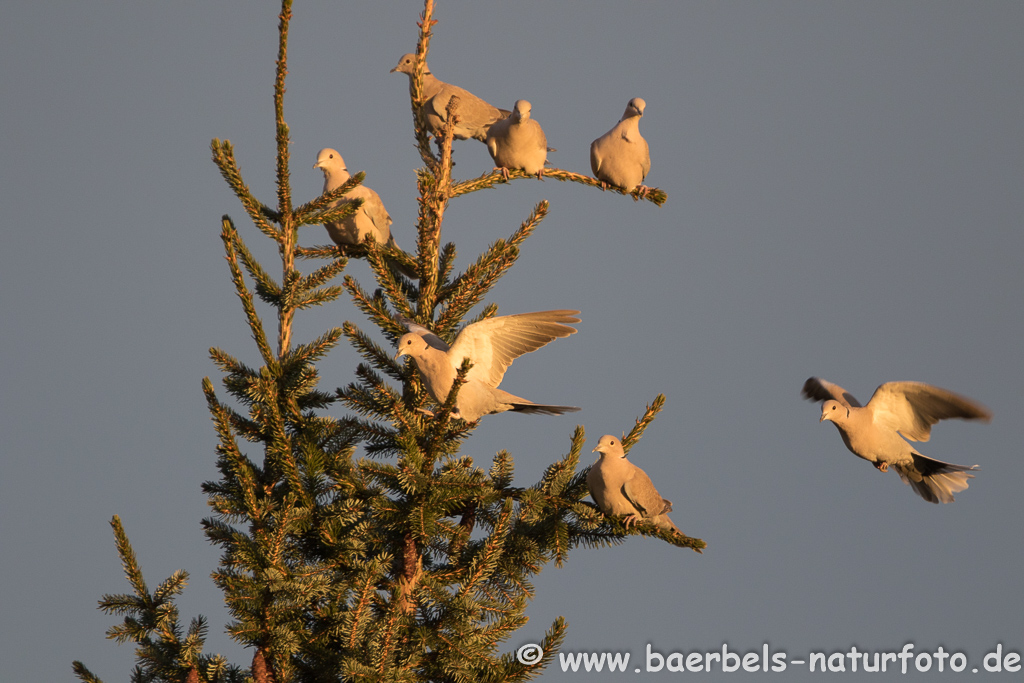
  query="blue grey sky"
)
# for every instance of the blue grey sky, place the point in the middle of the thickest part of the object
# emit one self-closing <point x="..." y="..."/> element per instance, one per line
<point x="846" y="195"/>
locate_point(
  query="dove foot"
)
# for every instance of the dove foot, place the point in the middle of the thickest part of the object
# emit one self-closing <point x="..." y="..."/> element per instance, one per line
<point x="881" y="466"/>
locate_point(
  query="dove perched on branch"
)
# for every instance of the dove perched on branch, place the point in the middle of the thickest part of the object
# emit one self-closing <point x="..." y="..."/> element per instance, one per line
<point x="518" y="142"/>
<point x="621" y="156"/>
<point x="621" y="488"/>
<point x="369" y="219"/>
<point x="474" y="115"/>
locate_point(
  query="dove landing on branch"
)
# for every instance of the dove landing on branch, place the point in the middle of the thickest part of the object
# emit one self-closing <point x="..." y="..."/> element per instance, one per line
<point x="474" y="115"/>
<point x="621" y="156"/>
<point x="898" y="411"/>
<point x="518" y="142"/>
<point x="621" y="488"/>
<point x="491" y="345"/>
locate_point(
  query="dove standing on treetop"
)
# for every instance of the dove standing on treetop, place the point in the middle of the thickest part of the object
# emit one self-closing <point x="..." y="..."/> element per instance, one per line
<point x="898" y="411"/>
<point x="621" y="488"/>
<point x="369" y="219"/>
<point x="474" y="115"/>
<point x="491" y="345"/>
<point x="518" y="142"/>
<point x="621" y="156"/>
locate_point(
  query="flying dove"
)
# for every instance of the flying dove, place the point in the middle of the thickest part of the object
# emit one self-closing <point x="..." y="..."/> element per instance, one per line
<point x="899" y="411"/>
<point x="369" y="219"/>
<point x="491" y="345"/>
<point x="621" y="488"/>
<point x="518" y="142"/>
<point x="621" y="157"/>
<point x="474" y="115"/>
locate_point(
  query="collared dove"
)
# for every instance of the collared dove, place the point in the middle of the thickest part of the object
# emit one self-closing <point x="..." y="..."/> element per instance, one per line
<point x="518" y="142"/>
<point x="369" y="219"/>
<point x="491" y="345"/>
<point x="475" y="116"/>
<point x="621" y="156"/>
<point x="621" y="488"/>
<point x="899" y="411"/>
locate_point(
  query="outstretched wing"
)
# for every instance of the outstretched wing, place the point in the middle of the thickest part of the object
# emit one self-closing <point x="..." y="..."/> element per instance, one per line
<point x="492" y="344"/>
<point x="818" y="389"/>
<point x="911" y="408"/>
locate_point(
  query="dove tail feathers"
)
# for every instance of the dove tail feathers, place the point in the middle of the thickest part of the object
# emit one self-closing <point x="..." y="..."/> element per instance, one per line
<point x="939" y="488"/>
<point x="541" y="409"/>
<point x="934" y="480"/>
<point x="929" y="466"/>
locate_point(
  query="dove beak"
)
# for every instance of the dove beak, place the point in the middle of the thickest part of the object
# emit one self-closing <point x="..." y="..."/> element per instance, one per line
<point x="824" y="416"/>
<point x="393" y="70"/>
<point x="316" y="165"/>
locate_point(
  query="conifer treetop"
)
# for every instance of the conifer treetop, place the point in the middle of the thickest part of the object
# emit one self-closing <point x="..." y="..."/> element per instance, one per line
<point x="358" y="541"/>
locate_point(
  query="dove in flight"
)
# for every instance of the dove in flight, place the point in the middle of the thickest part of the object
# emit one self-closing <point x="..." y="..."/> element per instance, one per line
<point x="518" y="142"/>
<point x="491" y="345"/>
<point x="621" y="156"/>
<point x="474" y="115"/>
<point x="621" y="488"/>
<point x="898" y="411"/>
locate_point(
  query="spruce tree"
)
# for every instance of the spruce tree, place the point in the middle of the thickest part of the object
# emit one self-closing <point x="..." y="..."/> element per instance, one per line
<point x="367" y="547"/>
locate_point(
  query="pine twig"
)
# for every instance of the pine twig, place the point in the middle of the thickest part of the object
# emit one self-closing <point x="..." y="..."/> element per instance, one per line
<point x="652" y="194"/>
<point x="416" y="85"/>
<point x="284" y="192"/>
<point x="224" y="158"/>
<point x="642" y="422"/>
<point x="433" y="205"/>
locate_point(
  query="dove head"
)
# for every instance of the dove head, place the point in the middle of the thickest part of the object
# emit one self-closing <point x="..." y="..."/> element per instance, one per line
<point x="407" y="65"/>
<point x="834" y="411"/>
<point x="635" y="107"/>
<point x="610" y="445"/>
<point x="411" y="344"/>
<point x="333" y="166"/>
<point x="521" y="111"/>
